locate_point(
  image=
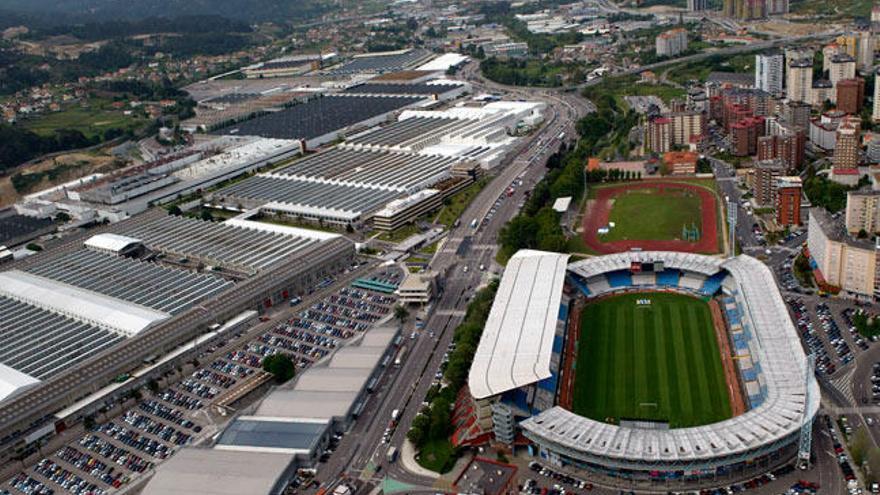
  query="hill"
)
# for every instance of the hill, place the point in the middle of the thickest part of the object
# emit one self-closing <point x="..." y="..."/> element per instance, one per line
<point x="248" y="10"/>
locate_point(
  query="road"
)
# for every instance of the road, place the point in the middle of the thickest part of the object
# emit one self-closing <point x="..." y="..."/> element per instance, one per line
<point x="405" y="387"/>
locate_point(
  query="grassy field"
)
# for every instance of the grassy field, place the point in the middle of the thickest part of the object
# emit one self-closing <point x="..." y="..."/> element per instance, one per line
<point x="834" y="8"/>
<point x="94" y="120"/>
<point x="657" y="363"/>
<point x="643" y="214"/>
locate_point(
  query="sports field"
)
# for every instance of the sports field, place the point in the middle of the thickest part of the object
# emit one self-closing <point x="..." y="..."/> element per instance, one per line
<point x="648" y="214"/>
<point x="657" y="362"/>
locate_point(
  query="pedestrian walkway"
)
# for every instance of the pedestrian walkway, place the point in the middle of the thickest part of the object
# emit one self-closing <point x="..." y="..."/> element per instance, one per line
<point x="408" y="459"/>
<point x="843" y="384"/>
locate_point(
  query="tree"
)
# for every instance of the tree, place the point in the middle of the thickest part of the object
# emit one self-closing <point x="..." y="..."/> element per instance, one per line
<point x="207" y="216"/>
<point x="401" y="314"/>
<point x="279" y="365"/>
<point x="858" y="447"/>
<point x="175" y="210"/>
<point x="863" y="234"/>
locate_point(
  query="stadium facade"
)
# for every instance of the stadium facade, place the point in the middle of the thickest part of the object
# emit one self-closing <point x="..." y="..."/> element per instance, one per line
<point x="515" y="382"/>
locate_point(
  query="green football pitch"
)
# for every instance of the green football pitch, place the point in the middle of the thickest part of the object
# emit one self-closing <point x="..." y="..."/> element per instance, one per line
<point x="657" y="362"/>
<point x="646" y="214"/>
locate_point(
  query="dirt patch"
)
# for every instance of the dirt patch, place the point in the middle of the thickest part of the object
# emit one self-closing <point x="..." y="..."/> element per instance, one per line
<point x="80" y="165"/>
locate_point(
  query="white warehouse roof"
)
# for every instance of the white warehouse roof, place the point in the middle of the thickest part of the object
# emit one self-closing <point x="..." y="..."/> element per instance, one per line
<point x="114" y="314"/>
<point x="11" y="381"/>
<point x="517" y="340"/>
<point x="110" y="242"/>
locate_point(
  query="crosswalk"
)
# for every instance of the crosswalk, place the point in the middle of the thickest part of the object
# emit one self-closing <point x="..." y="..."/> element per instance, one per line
<point x="843" y="384"/>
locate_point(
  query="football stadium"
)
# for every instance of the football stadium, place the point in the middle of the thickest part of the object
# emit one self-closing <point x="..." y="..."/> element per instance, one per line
<point x="642" y="365"/>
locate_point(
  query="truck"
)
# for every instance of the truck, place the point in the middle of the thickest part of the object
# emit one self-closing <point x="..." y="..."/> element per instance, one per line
<point x="391" y="456"/>
<point x="399" y="359"/>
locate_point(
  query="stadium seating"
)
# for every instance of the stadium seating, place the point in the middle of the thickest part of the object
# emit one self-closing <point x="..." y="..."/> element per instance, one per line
<point x="712" y="284"/>
<point x="580" y="284"/>
<point x="668" y="278"/>
<point x="619" y="279"/>
<point x="598" y="285"/>
<point x="644" y="278"/>
<point x="692" y="281"/>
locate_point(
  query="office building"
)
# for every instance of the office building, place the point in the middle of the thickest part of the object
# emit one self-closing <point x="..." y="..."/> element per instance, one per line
<point x="786" y="147"/>
<point x="799" y="79"/>
<point x="865" y="53"/>
<point x="769" y="69"/>
<point x="822" y="91"/>
<point x="788" y="201"/>
<point x="797" y="114"/>
<point x="862" y="212"/>
<point x="847" y="146"/>
<point x="841" y="260"/>
<point x="764" y="181"/>
<point x="687" y="127"/>
<point x="744" y="136"/>
<point x="672" y="42"/>
<point x="875" y="115"/>
<point x="851" y="95"/>
<point x="843" y="66"/>
<point x="697" y="5"/>
<point x="658" y="135"/>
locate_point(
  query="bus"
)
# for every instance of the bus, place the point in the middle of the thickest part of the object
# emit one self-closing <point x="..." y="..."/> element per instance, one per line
<point x="391" y="456"/>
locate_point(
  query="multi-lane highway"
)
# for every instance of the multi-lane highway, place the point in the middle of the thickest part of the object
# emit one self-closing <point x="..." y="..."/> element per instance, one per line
<point x="362" y="454"/>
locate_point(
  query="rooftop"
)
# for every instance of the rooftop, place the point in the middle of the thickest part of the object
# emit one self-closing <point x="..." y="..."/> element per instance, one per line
<point x="835" y="229"/>
<point x="517" y="340"/>
<point x="219" y="472"/>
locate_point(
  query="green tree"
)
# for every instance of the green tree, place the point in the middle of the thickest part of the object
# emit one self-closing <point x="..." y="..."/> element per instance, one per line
<point x="401" y="314"/>
<point x="859" y="445"/>
<point x="175" y="210"/>
<point x="279" y="365"/>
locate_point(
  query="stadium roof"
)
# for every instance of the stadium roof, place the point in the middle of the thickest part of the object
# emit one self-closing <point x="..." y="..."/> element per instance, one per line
<point x="83" y="305"/>
<point x="219" y="472"/>
<point x="517" y="340"/>
<point x="778" y="350"/>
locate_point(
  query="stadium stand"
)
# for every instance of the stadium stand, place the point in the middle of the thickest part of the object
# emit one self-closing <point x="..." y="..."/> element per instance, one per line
<point x="619" y="279"/>
<point x="774" y="384"/>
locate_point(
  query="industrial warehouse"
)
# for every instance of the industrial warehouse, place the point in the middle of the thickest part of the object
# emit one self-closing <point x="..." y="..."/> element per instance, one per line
<point x="395" y="172"/>
<point x="132" y="292"/>
<point x="524" y="385"/>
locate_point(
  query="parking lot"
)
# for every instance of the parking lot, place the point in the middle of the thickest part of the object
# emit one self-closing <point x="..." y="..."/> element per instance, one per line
<point x="111" y="454"/>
